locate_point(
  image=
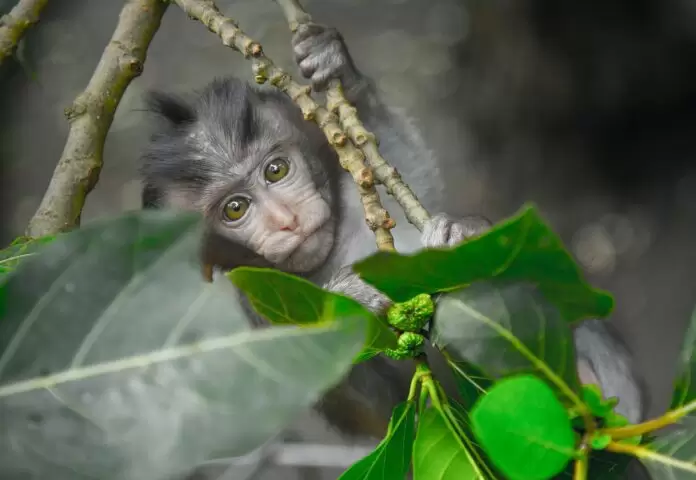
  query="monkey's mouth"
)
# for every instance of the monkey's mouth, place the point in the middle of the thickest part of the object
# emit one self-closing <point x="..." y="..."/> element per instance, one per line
<point x="308" y="249"/>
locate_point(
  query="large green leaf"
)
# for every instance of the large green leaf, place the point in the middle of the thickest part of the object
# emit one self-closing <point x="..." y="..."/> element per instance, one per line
<point x="439" y="453"/>
<point x="685" y="383"/>
<point x="672" y="455"/>
<point x="118" y="362"/>
<point x="522" y="248"/>
<point x="286" y="299"/>
<point x="391" y="459"/>
<point x="524" y="428"/>
<point x="505" y="329"/>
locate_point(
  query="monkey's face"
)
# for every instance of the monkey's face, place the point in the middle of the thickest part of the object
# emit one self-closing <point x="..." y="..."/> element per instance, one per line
<point x="277" y="211"/>
<point x="259" y="172"/>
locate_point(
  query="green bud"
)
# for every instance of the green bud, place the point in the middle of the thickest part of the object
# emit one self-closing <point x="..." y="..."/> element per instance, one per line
<point x="411" y="315"/>
<point x="410" y="341"/>
<point x="409" y="345"/>
<point x="397" y="353"/>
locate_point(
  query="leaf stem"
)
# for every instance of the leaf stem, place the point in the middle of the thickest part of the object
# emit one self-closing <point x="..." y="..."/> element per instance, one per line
<point x="435" y="391"/>
<point x="422" y="370"/>
<point x="581" y="464"/>
<point x="543" y="368"/>
<point x="665" y="420"/>
<point x="641" y="452"/>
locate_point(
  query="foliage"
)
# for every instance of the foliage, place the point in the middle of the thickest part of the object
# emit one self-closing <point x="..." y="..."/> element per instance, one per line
<point x="522" y="248"/>
<point x="118" y="362"/>
<point x="109" y="333"/>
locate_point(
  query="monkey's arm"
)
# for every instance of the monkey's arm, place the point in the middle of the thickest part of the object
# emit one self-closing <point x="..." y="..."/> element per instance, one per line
<point x="604" y="360"/>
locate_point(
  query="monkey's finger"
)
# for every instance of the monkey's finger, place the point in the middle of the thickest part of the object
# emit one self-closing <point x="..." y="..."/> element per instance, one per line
<point x="317" y="43"/>
<point x="323" y="61"/>
<point x="321" y="78"/>
<point x="436" y="231"/>
<point x="457" y="234"/>
<point x="308" y="66"/>
<point x="306" y="30"/>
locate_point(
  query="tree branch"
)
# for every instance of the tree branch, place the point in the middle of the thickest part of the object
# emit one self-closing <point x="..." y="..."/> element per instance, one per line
<point x="90" y="118"/>
<point x="16" y="23"/>
<point x="362" y="138"/>
<point x="350" y="157"/>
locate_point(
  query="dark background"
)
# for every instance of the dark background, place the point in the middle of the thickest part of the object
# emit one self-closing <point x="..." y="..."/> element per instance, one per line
<point x="586" y="108"/>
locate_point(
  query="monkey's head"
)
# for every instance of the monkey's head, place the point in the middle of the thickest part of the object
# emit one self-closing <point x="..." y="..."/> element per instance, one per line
<point x="263" y="177"/>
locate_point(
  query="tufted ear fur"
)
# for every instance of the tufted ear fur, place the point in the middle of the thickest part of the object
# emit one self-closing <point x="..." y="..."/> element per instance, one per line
<point x="174" y="109"/>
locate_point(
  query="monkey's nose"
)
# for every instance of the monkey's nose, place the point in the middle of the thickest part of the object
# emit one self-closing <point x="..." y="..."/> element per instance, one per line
<point x="288" y="224"/>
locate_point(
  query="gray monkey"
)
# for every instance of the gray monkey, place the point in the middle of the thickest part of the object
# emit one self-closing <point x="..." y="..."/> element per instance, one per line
<point x="273" y="194"/>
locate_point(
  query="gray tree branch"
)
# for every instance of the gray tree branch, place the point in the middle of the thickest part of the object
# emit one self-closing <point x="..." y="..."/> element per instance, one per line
<point x="16" y="23"/>
<point x="91" y="115"/>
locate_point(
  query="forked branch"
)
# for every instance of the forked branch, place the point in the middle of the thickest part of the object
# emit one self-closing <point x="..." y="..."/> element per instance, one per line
<point x="14" y="25"/>
<point x="366" y="141"/>
<point x="350" y="157"/>
<point x="90" y="118"/>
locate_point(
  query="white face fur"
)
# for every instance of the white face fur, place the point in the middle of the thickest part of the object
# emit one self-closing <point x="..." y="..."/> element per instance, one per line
<point x="278" y="213"/>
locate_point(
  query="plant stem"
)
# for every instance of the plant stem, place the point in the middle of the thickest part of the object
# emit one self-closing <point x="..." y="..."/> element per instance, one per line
<point x="581" y="464"/>
<point x="422" y="371"/>
<point x="665" y="420"/>
<point x="645" y="453"/>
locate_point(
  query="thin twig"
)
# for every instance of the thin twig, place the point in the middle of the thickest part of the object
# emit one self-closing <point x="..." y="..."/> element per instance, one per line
<point x="16" y="23"/>
<point x="91" y="115"/>
<point x="350" y="157"/>
<point x="362" y="138"/>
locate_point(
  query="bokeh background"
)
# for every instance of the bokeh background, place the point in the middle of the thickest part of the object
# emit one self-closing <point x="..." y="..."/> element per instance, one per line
<point x="586" y="108"/>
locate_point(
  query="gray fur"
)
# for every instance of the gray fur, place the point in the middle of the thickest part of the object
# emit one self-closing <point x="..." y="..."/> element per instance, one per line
<point x="214" y="143"/>
<point x="607" y="360"/>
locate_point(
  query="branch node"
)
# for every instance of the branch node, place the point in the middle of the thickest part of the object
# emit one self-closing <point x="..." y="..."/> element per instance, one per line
<point x="255" y="49"/>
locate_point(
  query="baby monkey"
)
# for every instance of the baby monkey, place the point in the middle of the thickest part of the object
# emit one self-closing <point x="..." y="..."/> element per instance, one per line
<point x="273" y="194"/>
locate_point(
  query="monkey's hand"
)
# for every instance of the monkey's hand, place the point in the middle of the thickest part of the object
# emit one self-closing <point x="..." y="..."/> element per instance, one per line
<point x="348" y="283"/>
<point x="444" y="231"/>
<point x="322" y="55"/>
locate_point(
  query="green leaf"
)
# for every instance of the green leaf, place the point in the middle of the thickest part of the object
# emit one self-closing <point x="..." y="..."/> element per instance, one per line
<point x="524" y="429"/>
<point x="118" y="362"/>
<point x="21" y="248"/>
<point x="391" y="459"/>
<point x="671" y="455"/>
<point x="506" y="329"/>
<point x="286" y="299"/>
<point x="439" y="453"/>
<point x="522" y="248"/>
<point x="685" y="383"/>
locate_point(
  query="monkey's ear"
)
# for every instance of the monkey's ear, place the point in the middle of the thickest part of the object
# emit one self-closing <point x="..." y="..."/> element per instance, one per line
<point x="170" y="107"/>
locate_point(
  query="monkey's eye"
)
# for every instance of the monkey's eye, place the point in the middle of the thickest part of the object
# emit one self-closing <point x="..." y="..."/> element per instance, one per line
<point x="276" y="170"/>
<point x="236" y="208"/>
